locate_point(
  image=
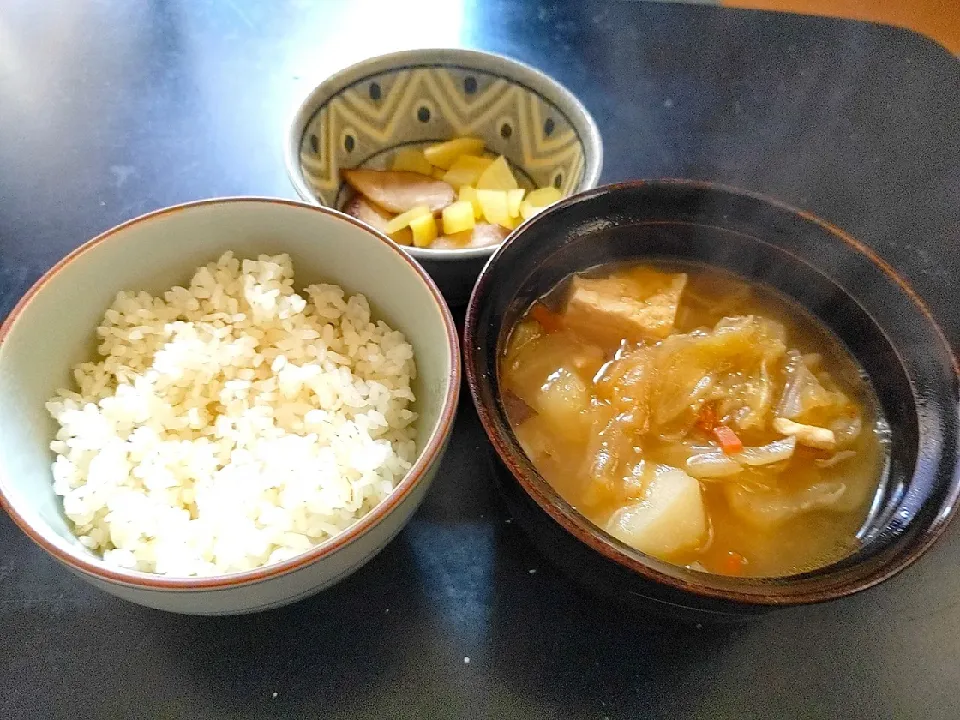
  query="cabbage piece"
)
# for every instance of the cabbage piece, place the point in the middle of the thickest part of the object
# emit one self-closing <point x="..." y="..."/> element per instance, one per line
<point x="670" y="381"/>
<point x="816" y="406"/>
<point x="720" y="301"/>
<point x="613" y="462"/>
<point x="676" y="453"/>
<point x="669" y="518"/>
<point x="802" y="391"/>
<point x="606" y="445"/>
<point x="543" y="372"/>
<point x="716" y="464"/>
<point x="535" y="439"/>
<point x="712" y="465"/>
<point x="846" y="428"/>
<point x="744" y="400"/>
<point x="682" y="385"/>
<point x="767" y="509"/>
<point x="532" y="356"/>
<point x="627" y="382"/>
<point x="835" y="459"/>
<point x="773" y="452"/>
<point x="523" y="333"/>
<point x="546" y="450"/>
<point x="729" y="364"/>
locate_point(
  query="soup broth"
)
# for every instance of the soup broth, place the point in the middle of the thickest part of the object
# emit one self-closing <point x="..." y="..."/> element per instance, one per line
<point x="701" y="419"/>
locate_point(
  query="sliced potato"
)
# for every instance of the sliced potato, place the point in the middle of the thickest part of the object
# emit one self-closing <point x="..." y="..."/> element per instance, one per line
<point x="444" y="154"/>
<point x="405" y="219"/>
<point x="437" y="174"/>
<point x="470" y="193"/>
<point x="497" y="176"/>
<point x="514" y="198"/>
<point x="399" y="191"/>
<point x="458" y="217"/>
<point x="466" y="169"/>
<point x="411" y="160"/>
<point x="544" y="197"/>
<point x="495" y="207"/>
<point x="537" y="200"/>
<point x="424" y="229"/>
<point x="527" y="210"/>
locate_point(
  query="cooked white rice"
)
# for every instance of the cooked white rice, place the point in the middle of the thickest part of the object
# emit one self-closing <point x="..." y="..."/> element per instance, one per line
<point x="233" y="423"/>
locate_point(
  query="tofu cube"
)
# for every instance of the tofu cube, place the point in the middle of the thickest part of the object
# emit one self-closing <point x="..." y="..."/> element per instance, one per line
<point x="625" y="307"/>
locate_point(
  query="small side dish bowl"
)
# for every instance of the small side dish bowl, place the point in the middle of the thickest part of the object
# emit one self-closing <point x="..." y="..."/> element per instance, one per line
<point x="841" y="282"/>
<point x="360" y="117"/>
<point x="54" y="327"/>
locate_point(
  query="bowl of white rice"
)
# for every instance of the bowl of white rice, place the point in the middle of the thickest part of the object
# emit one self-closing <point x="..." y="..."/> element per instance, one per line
<point x="225" y="406"/>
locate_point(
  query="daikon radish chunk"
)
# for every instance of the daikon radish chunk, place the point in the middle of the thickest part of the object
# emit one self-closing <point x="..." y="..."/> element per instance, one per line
<point x="668" y="519"/>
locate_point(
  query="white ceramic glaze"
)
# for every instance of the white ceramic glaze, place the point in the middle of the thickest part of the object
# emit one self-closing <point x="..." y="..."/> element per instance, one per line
<point x="361" y="115"/>
<point x="52" y="328"/>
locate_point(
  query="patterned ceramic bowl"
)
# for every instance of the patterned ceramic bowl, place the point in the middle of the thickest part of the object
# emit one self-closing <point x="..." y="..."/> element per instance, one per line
<point x="361" y="116"/>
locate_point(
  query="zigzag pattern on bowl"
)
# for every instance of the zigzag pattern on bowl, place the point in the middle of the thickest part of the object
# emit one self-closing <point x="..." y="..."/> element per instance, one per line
<point x="360" y="123"/>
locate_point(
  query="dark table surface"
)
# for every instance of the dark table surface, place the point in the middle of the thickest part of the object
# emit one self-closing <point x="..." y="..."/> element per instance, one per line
<point x="110" y="109"/>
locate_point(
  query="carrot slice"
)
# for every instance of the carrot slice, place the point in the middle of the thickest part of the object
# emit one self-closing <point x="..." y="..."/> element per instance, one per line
<point x="707" y="417"/>
<point x="729" y="442"/>
<point x="549" y="321"/>
<point x="734" y="563"/>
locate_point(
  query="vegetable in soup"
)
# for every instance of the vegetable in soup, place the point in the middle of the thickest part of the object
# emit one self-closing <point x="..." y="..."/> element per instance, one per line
<point x="698" y="418"/>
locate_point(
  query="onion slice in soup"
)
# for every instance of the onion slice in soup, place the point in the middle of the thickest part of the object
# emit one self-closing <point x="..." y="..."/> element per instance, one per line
<point x="773" y="452"/>
<point x="717" y="464"/>
<point x="835" y="459"/>
<point x="712" y="465"/>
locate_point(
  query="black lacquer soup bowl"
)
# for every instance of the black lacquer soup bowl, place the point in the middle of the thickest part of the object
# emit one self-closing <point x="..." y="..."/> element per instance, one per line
<point x="857" y="296"/>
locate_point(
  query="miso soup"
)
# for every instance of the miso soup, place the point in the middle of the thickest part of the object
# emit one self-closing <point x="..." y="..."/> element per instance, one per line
<point x="701" y="419"/>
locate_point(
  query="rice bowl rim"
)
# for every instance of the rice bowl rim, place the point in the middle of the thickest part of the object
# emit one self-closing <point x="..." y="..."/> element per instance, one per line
<point x="425" y="458"/>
